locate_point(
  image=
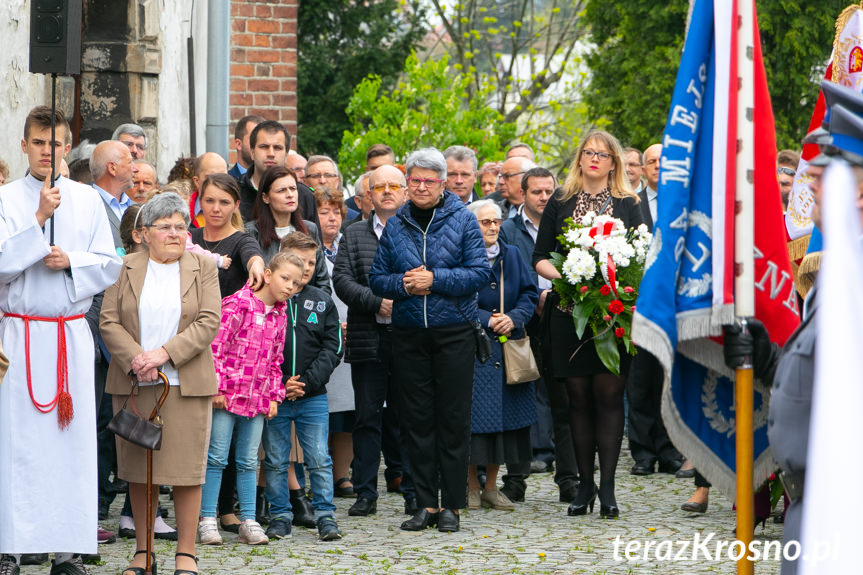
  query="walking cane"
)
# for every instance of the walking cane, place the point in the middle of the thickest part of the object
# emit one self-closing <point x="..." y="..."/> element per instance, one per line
<point x="148" y="570"/>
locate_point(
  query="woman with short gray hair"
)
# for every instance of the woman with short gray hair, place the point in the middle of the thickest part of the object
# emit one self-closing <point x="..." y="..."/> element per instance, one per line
<point x="431" y="262"/>
<point x="162" y="315"/>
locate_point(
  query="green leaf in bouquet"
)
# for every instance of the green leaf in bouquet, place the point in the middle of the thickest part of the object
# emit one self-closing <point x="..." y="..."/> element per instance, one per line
<point x="606" y="349"/>
<point x="581" y="315"/>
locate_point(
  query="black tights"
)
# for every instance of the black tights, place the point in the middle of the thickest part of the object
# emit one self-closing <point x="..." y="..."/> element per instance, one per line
<point x="596" y="420"/>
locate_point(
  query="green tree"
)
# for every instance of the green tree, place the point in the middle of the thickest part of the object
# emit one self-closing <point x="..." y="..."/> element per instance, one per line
<point x="520" y="48"/>
<point x="340" y="42"/>
<point x="637" y="52"/>
<point x="430" y="106"/>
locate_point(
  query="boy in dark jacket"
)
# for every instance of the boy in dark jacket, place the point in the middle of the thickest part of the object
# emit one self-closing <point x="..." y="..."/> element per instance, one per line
<point x="313" y="348"/>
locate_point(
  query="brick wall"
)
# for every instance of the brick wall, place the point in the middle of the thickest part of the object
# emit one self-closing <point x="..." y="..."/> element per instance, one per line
<point x="264" y="61"/>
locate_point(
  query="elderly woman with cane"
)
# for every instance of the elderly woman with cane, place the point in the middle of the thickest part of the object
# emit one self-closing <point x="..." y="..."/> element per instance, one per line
<point x="162" y="315"/>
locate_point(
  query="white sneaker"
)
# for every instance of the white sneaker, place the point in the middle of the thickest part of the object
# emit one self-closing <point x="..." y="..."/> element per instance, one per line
<point x="252" y="533"/>
<point x="208" y="531"/>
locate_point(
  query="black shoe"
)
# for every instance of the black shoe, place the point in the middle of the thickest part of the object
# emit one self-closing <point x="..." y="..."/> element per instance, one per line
<point x="420" y="521"/>
<point x="279" y="529"/>
<point x="34" y="558"/>
<point x="164" y="489"/>
<point x="583" y="501"/>
<point x="411" y="507"/>
<point x="304" y="512"/>
<point x="609" y="511"/>
<point x="104" y="510"/>
<point x="447" y="521"/>
<point x="344" y="488"/>
<point x="328" y="529"/>
<point x="362" y="507"/>
<point x="184" y="571"/>
<point x="8" y="565"/>
<point x="685" y="473"/>
<point x="513" y="491"/>
<point x="229" y="527"/>
<point x="642" y="468"/>
<point x="670" y="467"/>
<point x="607" y="503"/>
<point x="74" y="566"/>
<point x="141" y="570"/>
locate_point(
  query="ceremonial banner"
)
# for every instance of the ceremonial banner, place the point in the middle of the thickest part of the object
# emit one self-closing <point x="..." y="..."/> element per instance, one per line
<point x="828" y="539"/>
<point x="679" y="321"/>
<point x="845" y="68"/>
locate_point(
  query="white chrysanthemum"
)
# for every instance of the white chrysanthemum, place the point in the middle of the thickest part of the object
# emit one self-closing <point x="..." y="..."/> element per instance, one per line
<point x="587" y="219"/>
<point x="578" y="267"/>
<point x="642" y="230"/>
<point x="618" y="248"/>
<point x="572" y="236"/>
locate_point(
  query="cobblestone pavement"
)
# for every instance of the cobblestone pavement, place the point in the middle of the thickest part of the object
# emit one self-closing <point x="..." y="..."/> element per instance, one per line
<point x="538" y="537"/>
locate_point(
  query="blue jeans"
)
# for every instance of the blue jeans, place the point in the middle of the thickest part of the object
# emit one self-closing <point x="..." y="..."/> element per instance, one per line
<point x="248" y="430"/>
<point x="311" y="419"/>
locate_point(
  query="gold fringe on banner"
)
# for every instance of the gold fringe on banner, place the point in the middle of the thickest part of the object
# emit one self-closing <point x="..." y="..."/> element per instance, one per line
<point x="841" y="22"/>
<point x="797" y="248"/>
<point x="807" y="272"/>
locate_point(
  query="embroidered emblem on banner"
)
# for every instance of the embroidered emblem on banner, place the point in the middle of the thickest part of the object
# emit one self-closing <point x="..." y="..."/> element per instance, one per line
<point x="855" y="60"/>
<point x="322" y="305"/>
<point x="313" y="318"/>
<point x="308" y="304"/>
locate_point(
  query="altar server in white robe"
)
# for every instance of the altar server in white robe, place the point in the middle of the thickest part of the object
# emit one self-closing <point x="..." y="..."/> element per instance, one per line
<point x="48" y="486"/>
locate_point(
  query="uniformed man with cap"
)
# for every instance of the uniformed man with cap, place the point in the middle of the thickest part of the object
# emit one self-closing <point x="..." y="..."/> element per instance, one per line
<point x="792" y="369"/>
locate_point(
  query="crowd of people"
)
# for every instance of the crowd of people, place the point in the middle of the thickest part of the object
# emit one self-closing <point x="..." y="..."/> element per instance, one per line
<point x="303" y="333"/>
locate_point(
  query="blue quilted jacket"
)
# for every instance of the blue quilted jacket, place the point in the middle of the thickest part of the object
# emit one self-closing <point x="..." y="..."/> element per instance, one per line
<point x="452" y="248"/>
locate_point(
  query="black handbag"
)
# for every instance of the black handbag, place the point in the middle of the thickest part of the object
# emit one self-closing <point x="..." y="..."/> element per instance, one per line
<point x="131" y="425"/>
<point x="483" y="344"/>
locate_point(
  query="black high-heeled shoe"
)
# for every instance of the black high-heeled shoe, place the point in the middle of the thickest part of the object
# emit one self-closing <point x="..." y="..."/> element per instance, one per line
<point x="608" y="511"/>
<point x="581" y="503"/>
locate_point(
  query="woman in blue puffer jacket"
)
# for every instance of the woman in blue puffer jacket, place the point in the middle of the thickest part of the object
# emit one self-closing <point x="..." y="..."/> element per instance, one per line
<point x="431" y="262"/>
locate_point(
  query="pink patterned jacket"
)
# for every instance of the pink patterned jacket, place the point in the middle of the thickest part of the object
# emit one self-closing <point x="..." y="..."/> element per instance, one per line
<point x="248" y="352"/>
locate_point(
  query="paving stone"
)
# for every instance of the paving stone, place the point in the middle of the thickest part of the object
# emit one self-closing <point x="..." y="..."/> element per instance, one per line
<point x="537" y="538"/>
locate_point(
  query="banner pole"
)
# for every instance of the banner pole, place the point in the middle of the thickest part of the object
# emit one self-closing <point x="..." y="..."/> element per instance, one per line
<point x="744" y="289"/>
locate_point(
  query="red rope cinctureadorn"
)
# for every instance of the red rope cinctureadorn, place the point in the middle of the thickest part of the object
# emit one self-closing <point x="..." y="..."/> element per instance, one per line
<point x="62" y="399"/>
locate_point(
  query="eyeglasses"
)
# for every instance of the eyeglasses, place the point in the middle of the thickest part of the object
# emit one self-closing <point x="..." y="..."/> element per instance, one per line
<point x="633" y="165"/>
<point x="168" y="228"/>
<point x="785" y="171"/>
<point x="487" y="223"/>
<point x="381" y="188"/>
<point x="601" y="156"/>
<point x="415" y="183"/>
<point x="506" y="176"/>
<point x="321" y="176"/>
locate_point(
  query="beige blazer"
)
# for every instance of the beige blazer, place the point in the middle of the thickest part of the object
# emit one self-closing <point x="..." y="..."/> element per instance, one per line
<point x="189" y="350"/>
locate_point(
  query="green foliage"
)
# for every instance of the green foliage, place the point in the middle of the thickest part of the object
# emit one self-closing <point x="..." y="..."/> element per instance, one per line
<point x="638" y="45"/>
<point x="428" y="107"/>
<point x="340" y="42"/>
